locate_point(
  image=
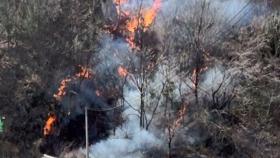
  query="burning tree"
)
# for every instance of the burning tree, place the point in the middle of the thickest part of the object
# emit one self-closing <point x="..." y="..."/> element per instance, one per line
<point x="67" y="119"/>
<point x="135" y="28"/>
<point x="118" y="58"/>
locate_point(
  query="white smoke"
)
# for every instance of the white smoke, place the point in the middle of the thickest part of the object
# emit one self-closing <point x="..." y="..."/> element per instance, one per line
<point x="112" y="53"/>
<point x="134" y="5"/>
<point x="129" y="139"/>
<point x="125" y="147"/>
<point x="214" y="77"/>
<point x="223" y="15"/>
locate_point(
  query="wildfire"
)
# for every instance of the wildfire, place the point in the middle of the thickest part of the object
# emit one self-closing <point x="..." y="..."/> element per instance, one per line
<point x="143" y="20"/>
<point x="83" y="73"/>
<point x="146" y="18"/>
<point x="178" y="122"/>
<point x="62" y="89"/>
<point x="150" y="14"/>
<point x="122" y="71"/>
<point x="48" y="128"/>
<point x="195" y="77"/>
<point x="61" y="92"/>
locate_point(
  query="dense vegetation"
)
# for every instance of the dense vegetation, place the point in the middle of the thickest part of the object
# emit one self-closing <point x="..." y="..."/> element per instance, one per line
<point x="42" y="40"/>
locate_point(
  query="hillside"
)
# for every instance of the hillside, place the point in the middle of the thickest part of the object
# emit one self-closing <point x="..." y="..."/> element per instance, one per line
<point x="158" y="78"/>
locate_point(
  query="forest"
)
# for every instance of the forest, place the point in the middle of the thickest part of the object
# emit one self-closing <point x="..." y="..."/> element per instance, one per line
<point x="139" y="78"/>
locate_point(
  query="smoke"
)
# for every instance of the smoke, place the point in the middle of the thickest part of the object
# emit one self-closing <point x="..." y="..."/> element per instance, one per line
<point x="224" y="8"/>
<point x="127" y="145"/>
<point x="134" y="5"/>
<point x="219" y="15"/>
<point x="216" y="76"/>
<point x="112" y="53"/>
<point x="129" y="139"/>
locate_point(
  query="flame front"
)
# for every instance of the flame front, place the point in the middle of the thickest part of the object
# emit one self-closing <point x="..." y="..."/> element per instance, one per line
<point x="84" y="73"/>
<point x="62" y="89"/>
<point x="48" y="128"/>
<point x="122" y="71"/>
<point x="143" y="20"/>
<point x="150" y="14"/>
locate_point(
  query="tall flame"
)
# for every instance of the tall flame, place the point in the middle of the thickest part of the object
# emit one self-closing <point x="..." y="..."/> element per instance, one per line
<point x="143" y="20"/>
<point x="147" y="17"/>
<point x="150" y="14"/>
<point x="48" y="128"/>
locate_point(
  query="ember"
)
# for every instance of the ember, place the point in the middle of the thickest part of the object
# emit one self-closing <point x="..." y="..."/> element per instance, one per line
<point x="83" y="73"/>
<point x="122" y="71"/>
<point x="48" y="128"/>
<point x="62" y="89"/>
<point x="178" y="122"/>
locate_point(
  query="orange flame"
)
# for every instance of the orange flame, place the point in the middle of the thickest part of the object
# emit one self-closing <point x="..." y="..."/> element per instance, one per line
<point x="143" y="20"/>
<point x="84" y="73"/>
<point x="48" y="128"/>
<point x="122" y="71"/>
<point x="62" y="89"/>
<point x="150" y="14"/>
<point x="146" y="18"/>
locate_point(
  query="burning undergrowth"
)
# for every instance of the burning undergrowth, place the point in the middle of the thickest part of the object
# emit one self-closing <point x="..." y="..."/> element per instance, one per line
<point x="126" y="83"/>
<point x="99" y="85"/>
<point x="154" y="75"/>
<point x="64" y="128"/>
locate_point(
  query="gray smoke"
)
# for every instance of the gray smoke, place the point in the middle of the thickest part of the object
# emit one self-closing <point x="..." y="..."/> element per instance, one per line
<point x="129" y="139"/>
